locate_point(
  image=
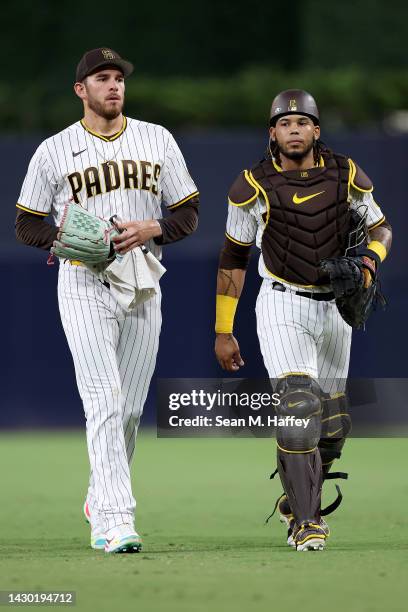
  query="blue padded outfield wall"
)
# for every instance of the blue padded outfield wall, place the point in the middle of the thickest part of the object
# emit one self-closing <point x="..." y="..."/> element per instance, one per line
<point x="38" y="383"/>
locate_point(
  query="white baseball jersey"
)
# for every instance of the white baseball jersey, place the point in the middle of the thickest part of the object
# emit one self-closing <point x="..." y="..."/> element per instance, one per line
<point x="129" y="174"/>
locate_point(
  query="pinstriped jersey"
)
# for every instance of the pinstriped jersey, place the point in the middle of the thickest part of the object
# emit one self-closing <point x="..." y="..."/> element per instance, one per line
<point x="130" y="174"/>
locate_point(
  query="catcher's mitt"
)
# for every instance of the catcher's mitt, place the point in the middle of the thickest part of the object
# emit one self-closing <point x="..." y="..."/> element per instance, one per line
<point x="84" y="237"/>
<point x="353" y="280"/>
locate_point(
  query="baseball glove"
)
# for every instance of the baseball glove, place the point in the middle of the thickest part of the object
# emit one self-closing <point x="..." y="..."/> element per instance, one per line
<point x="353" y="281"/>
<point x="84" y="237"/>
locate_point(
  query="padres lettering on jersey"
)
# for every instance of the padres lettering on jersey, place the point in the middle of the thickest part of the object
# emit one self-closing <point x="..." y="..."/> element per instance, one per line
<point x="125" y="174"/>
<point x="131" y="174"/>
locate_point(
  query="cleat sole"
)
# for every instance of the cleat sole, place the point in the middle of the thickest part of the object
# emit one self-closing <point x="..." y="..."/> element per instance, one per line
<point x="128" y="549"/>
<point x="312" y="544"/>
<point x="130" y="546"/>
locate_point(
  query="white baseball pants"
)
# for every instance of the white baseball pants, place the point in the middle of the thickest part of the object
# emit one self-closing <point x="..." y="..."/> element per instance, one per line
<point x="114" y="354"/>
<point x="301" y="335"/>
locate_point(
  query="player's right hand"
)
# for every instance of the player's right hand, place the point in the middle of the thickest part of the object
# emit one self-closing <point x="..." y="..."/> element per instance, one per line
<point x="227" y="352"/>
<point x="134" y="234"/>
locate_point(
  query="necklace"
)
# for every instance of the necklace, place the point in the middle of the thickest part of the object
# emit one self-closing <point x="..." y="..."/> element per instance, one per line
<point x="112" y="155"/>
<point x="92" y="136"/>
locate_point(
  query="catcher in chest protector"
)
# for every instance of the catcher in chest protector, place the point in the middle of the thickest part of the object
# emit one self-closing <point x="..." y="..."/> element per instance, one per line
<point x="322" y="240"/>
<point x="108" y="167"/>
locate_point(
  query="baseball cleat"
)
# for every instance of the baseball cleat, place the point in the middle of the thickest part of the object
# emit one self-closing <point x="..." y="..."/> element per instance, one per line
<point x="123" y="539"/>
<point x="87" y="512"/>
<point x="324" y="526"/>
<point x="286" y="517"/>
<point x="309" y="536"/>
<point x="98" y="539"/>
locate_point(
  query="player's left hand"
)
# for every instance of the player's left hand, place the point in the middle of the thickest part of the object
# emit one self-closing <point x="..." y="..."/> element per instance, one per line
<point x="134" y="234"/>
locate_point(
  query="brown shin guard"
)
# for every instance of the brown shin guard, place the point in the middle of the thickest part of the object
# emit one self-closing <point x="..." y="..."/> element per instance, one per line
<point x="301" y="477"/>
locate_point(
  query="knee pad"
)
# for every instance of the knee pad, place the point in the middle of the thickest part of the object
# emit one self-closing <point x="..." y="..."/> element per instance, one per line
<point x="299" y="414"/>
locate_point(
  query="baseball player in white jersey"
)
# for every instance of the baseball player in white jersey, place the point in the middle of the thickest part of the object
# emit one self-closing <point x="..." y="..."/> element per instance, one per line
<point x="110" y="165"/>
<point x="297" y="206"/>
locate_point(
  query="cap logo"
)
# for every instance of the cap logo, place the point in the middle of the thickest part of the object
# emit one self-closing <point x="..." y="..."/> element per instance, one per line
<point x="278" y="110"/>
<point x="292" y="105"/>
<point x="107" y="54"/>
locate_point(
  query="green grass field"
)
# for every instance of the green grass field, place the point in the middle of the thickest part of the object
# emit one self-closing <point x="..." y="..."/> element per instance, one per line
<point x="201" y="508"/>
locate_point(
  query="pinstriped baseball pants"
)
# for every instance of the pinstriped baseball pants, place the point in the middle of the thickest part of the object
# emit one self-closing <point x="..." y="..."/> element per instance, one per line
<point x="297" y="334"/>
<point x="114" y="355"/>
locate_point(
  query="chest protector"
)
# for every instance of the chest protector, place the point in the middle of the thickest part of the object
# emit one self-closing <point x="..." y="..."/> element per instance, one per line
<point x="307" y="218"/>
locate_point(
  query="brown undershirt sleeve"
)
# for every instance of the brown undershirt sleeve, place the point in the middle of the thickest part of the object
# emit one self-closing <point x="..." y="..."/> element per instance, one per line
<point x="384" y="224"/>
<point x="33" y="230"/>
<point x="182" y="222"/>
<point x="234" y="256"/>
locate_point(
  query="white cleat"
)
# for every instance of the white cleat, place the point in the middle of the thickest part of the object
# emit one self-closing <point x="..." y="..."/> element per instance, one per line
<point x="123" y="539"/>
<point x="291" y="526"/>
<point x="98" y="538"/>
<point x="286" y="517"/>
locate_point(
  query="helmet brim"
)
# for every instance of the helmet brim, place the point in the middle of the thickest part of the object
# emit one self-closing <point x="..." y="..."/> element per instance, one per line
<point x="274" y="119"/>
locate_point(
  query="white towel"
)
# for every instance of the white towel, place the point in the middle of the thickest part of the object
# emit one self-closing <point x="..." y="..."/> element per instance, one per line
<point x="134" y="277"/>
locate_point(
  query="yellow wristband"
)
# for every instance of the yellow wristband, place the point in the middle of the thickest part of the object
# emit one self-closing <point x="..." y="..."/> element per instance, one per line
<point x="225" y="313"/>
<point x="378" y="248"/>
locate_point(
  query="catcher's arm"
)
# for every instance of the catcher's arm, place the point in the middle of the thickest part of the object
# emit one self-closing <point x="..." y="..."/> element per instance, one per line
<point x="379" y="245"/>
<point x="382" y="234"/>
<point x="234" y="260"/>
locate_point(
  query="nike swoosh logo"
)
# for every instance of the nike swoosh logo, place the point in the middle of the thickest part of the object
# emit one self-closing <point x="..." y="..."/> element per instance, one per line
<point x="79" y="152"/>
<point x="297" y="200"/>
<point x="293" y="404"/>
<point x="330" y="434"/>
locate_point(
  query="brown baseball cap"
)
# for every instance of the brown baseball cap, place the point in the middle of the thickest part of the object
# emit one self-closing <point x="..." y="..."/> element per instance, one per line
<point x="92" y="60"/>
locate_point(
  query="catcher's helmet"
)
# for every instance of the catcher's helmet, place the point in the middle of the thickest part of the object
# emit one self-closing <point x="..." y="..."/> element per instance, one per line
<point x="294" y="102"/>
